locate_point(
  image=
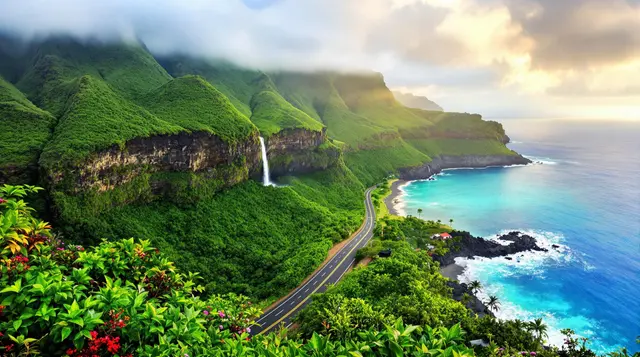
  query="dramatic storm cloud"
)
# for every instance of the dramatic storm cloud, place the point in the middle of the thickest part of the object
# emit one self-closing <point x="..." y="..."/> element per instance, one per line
<point x="496" y="57"/>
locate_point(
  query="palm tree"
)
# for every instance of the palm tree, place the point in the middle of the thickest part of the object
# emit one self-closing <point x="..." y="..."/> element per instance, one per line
<point x="450" y="221"/>
<point x="493" y="303"/>
<point x="475" y="286"/>
<point x="538" y="328"/>
<point x="419" y="212"/>
<point x="439" y="221"/>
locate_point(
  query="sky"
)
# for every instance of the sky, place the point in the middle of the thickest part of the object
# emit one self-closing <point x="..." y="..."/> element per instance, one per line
<point x="499" y="58"/>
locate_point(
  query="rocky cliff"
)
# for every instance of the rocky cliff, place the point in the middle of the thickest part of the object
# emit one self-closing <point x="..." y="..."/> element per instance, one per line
<point x="300" y="151"/>
<point x="197" y="152"/>
<point x="442" y="162"/>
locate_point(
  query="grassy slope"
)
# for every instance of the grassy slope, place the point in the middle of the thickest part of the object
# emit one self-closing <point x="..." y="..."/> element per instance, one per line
<point x="235" y="83"/>
<point x="25" y="129"/>
<point x="271" y="114"/>
<point x="95" y="118"/>
<point x="129" y="69"/>
<point x="192" y="103"/>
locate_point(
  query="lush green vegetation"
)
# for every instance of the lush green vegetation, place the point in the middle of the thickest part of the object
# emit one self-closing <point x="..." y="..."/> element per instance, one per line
<point x="25" y="129"/>
<point x="124" y="298"/>
<point x="407" y="285"/>
<point x="194" y="104"/>
<point x="438" y="146"/>
<point x="249" y="239"/>
<point x="415" y="231"/>
<point x="255" y="240"/>
<point x="271" y="114"/>
<point x="96" y="118"/>
<point x="52" y="64"/>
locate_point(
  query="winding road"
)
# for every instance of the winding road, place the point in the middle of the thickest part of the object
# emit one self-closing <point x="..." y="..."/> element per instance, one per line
<point x="330" y="273"/>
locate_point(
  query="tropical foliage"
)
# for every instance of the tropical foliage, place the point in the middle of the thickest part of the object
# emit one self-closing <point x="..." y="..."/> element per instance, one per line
<point x="406" y="285"/>
<point x="124" y="298"/>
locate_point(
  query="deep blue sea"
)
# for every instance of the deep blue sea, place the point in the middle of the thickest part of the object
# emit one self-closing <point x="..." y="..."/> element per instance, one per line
<point x="585" y="196"/>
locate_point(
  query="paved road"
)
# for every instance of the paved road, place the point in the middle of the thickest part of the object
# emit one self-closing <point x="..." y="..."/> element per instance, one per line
<point x="330" y="273"/>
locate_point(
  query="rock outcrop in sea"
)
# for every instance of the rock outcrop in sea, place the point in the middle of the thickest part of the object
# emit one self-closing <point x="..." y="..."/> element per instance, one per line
<point x="468" y="246"/>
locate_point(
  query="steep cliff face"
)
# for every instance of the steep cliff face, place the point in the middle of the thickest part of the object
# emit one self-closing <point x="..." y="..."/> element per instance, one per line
<point x="186" y="152"/>
<point x="462" y="161"/>
<point x="300" y="151"/>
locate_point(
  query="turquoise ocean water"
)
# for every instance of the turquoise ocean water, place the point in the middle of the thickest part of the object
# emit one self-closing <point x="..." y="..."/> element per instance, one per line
<point x="584" y="196"/>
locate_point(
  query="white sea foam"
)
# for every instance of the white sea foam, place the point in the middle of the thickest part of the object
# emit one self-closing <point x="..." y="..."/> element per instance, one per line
<point x="532" y="264"/>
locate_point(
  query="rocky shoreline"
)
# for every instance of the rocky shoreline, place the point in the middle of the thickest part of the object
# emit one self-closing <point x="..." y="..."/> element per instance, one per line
<point x="444" y="162"/>
<point x="468" y="246"/>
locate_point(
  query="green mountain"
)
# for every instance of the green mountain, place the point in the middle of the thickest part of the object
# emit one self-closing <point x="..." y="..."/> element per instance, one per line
<point x="165" y="148"/>
<point x="25" y="130"/>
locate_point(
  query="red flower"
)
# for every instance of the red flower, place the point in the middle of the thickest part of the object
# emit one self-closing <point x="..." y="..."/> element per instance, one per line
<point x="94" y="334"/>
<point x="71" y="352"/>
<point x="9" y="347"/>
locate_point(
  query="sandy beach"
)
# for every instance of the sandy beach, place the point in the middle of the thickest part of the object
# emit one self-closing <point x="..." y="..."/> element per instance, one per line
<point x="452" y="271"/>
<point x="395" y="193"/>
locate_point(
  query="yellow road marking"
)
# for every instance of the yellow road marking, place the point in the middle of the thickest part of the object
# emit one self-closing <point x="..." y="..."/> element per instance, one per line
<point x="317" y="288"/>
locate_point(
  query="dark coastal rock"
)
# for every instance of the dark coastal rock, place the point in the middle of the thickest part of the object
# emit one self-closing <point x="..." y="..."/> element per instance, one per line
<point x="466" y="245"/>
<point x="555" y="246"/>
<point x="442" y="162"/>
<point x="474" y="304"/>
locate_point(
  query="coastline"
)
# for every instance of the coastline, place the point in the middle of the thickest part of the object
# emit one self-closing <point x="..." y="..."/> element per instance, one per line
<point x="396" y="192"/>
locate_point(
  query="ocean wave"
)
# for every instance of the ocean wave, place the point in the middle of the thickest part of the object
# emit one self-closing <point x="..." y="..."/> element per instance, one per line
<point x="541" y="160"/>
<point x="532" y="265"/>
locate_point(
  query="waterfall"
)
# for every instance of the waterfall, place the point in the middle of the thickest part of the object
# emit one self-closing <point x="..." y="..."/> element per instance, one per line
<point x="266" y="179"/>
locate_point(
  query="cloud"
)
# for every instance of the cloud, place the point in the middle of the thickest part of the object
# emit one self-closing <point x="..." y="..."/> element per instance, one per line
<point x="580" y="34"/>
<point x="532" y="49"/>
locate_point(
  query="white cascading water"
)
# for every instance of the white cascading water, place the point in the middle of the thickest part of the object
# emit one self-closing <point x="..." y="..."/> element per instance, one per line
<point x="266" y="178"/>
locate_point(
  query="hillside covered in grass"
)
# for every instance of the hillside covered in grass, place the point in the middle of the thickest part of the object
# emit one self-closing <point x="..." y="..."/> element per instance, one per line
<point x="25" y="130"/>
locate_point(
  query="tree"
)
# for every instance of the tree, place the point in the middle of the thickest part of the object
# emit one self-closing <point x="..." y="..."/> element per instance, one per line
<point x="539" y="329"/>
<point x="419" y="212"/>
<point x="439" y="221"/>
<point x="451" y="221"/>
<point x="475" y="286"/>
<point x="493" y="303"/>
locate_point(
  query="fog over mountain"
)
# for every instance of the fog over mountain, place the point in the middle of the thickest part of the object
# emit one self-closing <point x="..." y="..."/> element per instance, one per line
<point x="500" y="58"/>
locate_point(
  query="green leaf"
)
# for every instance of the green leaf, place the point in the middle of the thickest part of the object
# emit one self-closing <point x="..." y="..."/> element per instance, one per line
<point x="395" y="348"/>
<point x="66" y="331"/>
<point x="78" y="321"/>
<point x="17" y="324"/>
<point x="15" y="288"/>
